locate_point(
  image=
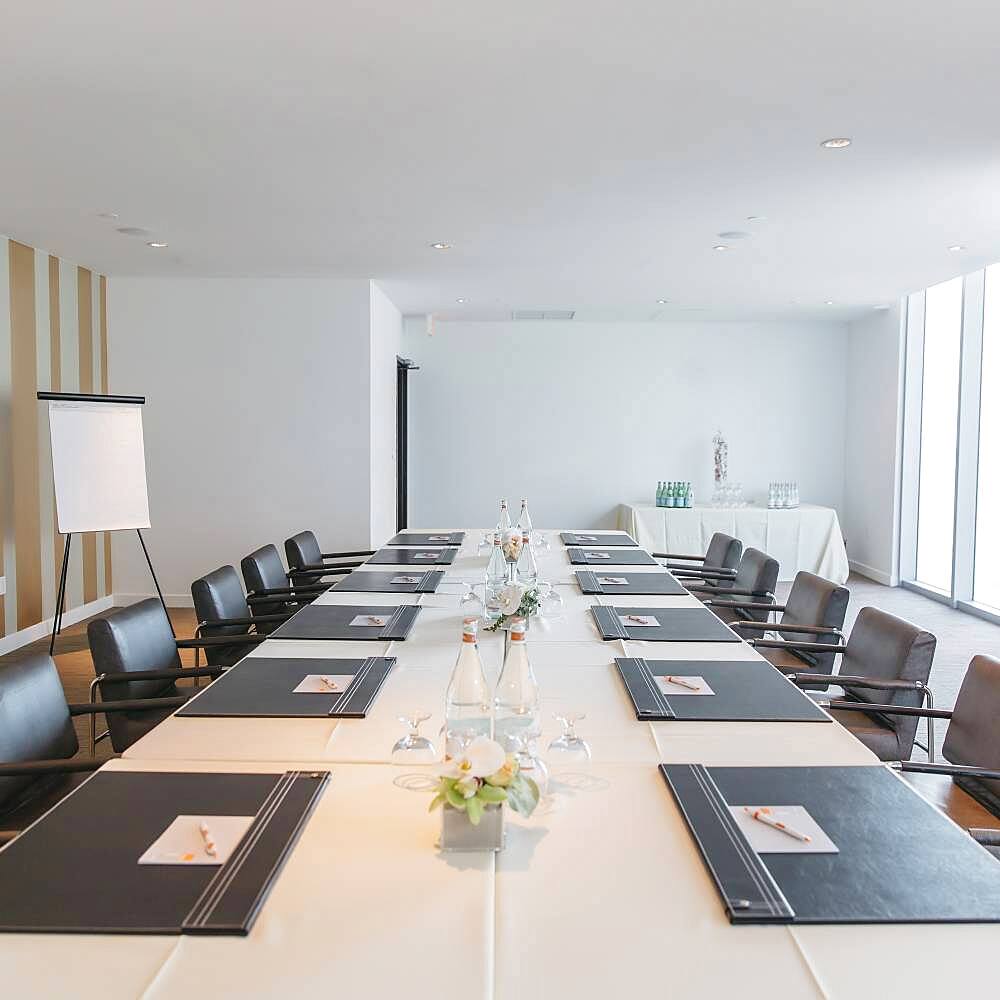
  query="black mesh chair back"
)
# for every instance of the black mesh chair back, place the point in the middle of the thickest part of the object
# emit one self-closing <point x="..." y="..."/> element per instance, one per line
<point x="884" y="647"/>
<point x="973" y="736"/>
<point x="217" y="596"/>
<point x="35" y="723"/>
<point x="814" y="601"/>
<point x="133" y="639"/>
<point x="723" y="552"/>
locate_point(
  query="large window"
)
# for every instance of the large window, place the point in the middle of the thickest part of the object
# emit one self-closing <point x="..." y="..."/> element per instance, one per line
<point x="939" y="434"/>
<point x="986" y="589"/>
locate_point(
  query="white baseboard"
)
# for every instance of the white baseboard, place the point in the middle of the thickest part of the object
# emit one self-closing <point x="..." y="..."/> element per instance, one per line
<point x="171" y="600"/>
<point x="44" y="628"/>
<point x="879" y="576"/>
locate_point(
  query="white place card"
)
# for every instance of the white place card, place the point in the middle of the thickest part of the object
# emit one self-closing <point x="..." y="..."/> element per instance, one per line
<point x="184" y="843"/>
<point x="671" y="685"/>
<point x="613" y="581"/>
<point x="321" y="684"/>
<point x="439" y="538"/>
<point x="369" y="621"/>
<point x="639" y="621"/>
<point x="765" y="839"/>
<point x="597" y="555"/>
<point x="425" y="555"/>
<point x="406" y="579"/>
<point x="587" y="538"/>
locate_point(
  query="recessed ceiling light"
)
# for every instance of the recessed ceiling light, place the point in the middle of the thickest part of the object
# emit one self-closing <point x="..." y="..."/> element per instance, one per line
<point x="840" y="143"/>
<point x="107" y="215"/>
<point x="720" y="246"/>
<point x="829" y="302"/>
<point x="440" y="246"/>
<point x="156" y="246"/>
<point x="733" y="234"/>
<point x="756" y="218"/>
<point x="661" y="302"/>
<point x="459" y="301"/>
<point x="956" y="248"/>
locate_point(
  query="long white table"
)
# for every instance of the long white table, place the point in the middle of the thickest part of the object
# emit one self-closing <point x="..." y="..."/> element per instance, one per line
<point x="601" y="892"/>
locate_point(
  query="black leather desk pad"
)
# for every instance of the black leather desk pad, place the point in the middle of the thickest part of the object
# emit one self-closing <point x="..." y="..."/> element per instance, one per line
<point x="261" y="687"/>
<point x="600" y="539"/>
<point x="745" y="691"/>
<point x="899" y="860"/>
<point x="331" y="621"/>
<point x="76" y="871"/>
<point x="368" y="582"/>
<point x="619" y="557"/>
<point x="676" y="625"/>
<point x="431" y="538"/>
<point x="407" y="557"/>
<point x="662" y="584"/>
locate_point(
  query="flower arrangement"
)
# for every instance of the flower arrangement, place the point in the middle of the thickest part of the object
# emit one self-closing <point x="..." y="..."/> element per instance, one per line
<point x="483" y="776"/>
<point x="516" y="601"/>
<point x="511" y="545"/>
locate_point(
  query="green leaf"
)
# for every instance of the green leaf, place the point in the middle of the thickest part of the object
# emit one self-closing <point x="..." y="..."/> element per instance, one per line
<point x="436" y="801"/>
<point x="491" y="793"/>
<point x="523" y="795"/>
<point x="474" y="807"/>
<point x="454" y="797"/>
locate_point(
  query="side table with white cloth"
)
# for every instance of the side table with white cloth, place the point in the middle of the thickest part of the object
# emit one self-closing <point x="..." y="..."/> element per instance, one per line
<point x="806" y="537"/>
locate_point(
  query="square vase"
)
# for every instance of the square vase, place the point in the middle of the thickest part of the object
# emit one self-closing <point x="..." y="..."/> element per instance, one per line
<point x="458" y="834"/>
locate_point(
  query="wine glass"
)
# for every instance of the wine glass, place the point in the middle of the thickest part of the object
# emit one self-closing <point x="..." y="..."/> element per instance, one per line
<point x="470" y="603"/>
<point x="569" y="745"/>
<point x="485" y="544"/>
<point x="413" y="748"/>
<point x="540" y="541"/>
<point x="550" y="602"/>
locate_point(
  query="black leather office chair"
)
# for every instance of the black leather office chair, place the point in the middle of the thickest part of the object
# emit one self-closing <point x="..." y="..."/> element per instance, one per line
<point x="813" y="612"/>
<point x="885" y="659"/>
<point x="223" y="611"/>
<point x="266" y="581"/>
<point x="756" y="577"/>
<point x="38" y="743"/>
<point x="136" y="659"/>
<point x="307" y="564"/>
<point x="722" y="557"/>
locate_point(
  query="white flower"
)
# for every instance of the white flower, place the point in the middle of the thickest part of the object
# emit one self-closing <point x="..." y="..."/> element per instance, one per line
<point x="510" y="598"/>
<point x="482" y="757"/>
<point x="511" y="545"/>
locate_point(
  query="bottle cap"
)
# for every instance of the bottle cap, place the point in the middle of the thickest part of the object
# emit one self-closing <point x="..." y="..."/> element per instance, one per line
<point x="469" y="628"/>
<point x="517" y="628"/>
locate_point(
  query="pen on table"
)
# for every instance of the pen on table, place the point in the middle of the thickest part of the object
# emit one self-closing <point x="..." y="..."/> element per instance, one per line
<point x="372" y="620"/>
<point x="683" y="683"/>
<point x="332" y="685"/>
<point x="762" y="816"/>
<point x="206" y="836"/>
<point x="637" y="618"/>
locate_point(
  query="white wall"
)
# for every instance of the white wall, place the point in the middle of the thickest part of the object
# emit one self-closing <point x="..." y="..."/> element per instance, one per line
<point x="874" y="400"/>
<point x="386" y="338"/>
<point x="579" y="417"/>
<point x="258" y="420"/>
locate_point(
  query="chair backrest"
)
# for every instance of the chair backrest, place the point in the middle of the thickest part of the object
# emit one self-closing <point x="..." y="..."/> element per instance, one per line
<point x="757" y="572"/>
<point x="889" y="648"/>
<point x="263" y="570"/>
<point x="815" y="601"/>
<point x="219" y="595"/>
<point x="973" y="736"/>
<point x="723" y="552"/>
<point x="302" y="550"/>
<point x="34" y="721"/>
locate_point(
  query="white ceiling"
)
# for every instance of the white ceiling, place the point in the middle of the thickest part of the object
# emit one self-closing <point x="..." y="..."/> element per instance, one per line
<point x="579" y="154"/>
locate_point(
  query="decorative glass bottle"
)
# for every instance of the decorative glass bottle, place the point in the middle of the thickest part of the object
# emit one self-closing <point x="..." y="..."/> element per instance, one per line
<point x="467" y="703"/>
<point x="515" y="700"/>
<point x="496" y="578"/>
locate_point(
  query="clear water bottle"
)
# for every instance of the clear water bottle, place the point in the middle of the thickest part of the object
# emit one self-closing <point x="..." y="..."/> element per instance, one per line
<point x="517" y="721"/>
<point x="496" y="578"/>
<point x="527" y="568"/>
<point x="504" y="523"/>
<point x="671" y="494"/>
<point x="467" y="702"/>
<point x="659" y="493"/>
<point x="524" y="522"/>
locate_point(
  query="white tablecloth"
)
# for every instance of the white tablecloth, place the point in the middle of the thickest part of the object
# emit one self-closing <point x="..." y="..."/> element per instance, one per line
<point x="807" y="537"/>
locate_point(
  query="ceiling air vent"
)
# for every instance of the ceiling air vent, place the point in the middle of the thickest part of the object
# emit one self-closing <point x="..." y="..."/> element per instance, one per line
<point x="537" y="314"/>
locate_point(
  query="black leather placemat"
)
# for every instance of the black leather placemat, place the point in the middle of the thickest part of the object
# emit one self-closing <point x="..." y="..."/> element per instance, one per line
<point x="368" y="582"/>
<point x="77" y="871"/>
<point x="662" y="584"/>
<point x="899" y="860"/>
<point x="745" y="691"/>
<point x="601" y="539"/>
<point x="432" y="538"/>
<point x="332" y="621"/>
<point x="619" y="557"/>
<point x="414" y="557"/>
<point x="263" y="687"/>
<point x="675" y="625"/>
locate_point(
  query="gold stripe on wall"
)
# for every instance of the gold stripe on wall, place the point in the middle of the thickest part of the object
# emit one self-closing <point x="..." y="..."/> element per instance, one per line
<point x="103" y="296"/>
<point x="85" y="312"/>
<point x="24" y="435"/>
<point x="55" y="349"/>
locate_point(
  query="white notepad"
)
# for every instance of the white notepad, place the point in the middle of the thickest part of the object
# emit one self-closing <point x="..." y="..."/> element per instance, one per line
<point x="639" y="621"/>
<point x="425" y="555"/>
<point x="183" y="844"/>
<point x="369" y="621"/>
<point x="439" y="538"/>
<point x="314" y="684"/>
<point x="597" y="555"/>
<point x="616" y="581"/>
<point x="765" y="840"/>
<point x="587" y="538"/>
<point x="406" y="579"/>
<point x="672" y="688"/>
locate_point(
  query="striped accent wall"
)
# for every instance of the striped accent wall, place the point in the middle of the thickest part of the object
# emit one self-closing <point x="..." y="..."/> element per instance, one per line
<point x="53" y="335"/>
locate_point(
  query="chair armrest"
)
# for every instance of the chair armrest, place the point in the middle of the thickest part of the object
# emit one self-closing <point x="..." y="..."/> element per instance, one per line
<point x="327" y="571"/>
<point x="721" y="602"/>
<point x="220" y="640"/>
<point x="703" y="574"/>
<point x="345" y="555"/>
<point x="160" y="675"/>
<point x="878" y="683"/>
<point x="778" y="627"/>
<point x="272" y="592"/>
<point x="290" y="601"/>
<point x="128" y="705"/>
<point x="866" y="706"/>
<point x="27" y="768"/>
<point x="955" y="770"/>
<point x="988" y="838"/>
<point x="723" y="596"/>
<point x="227" y="622"/>
<point x="805" y="647"/>
<point x="676" y="555"/>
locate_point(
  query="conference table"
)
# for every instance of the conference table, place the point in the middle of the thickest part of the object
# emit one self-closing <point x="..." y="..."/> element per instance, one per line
<point x="601" y="892"/>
